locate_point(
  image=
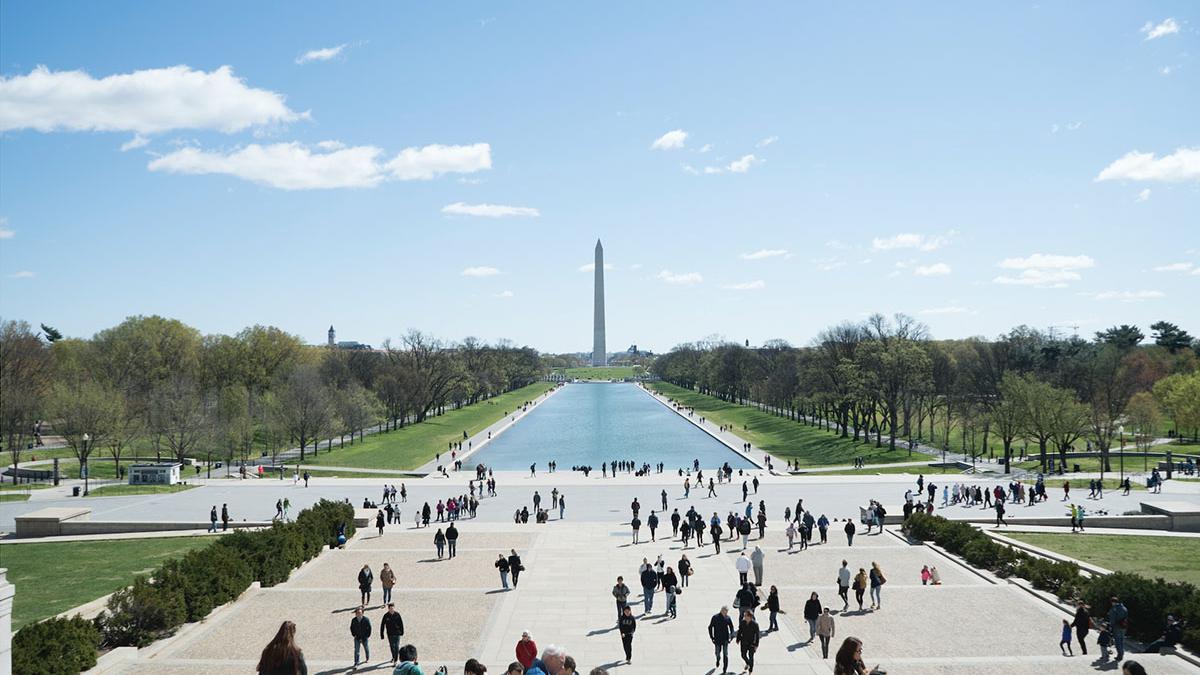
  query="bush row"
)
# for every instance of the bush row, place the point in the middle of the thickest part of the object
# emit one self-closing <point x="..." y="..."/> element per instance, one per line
<point x="182" y="590"/>
<point x="1148" y="600"/>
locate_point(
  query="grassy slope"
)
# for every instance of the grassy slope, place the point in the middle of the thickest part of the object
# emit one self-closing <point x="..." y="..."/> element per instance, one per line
<point x="52" y="578"/>
<point x="589" y="373"/>
<point x="1172" y="558"/>
<point x="416" y="444"/>
<point x="781" y="437"/>
<point x="121" y="490"/>
<point x="13" y="497"/>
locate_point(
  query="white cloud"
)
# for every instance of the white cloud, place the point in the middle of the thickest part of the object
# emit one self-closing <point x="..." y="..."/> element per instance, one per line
<point x="909" y="240"/>
<point x="713" y="169"/>
<point x="591" y="267"/>
<point x="319" y="54"/>
<point x="1039" y="278"/>
<point x="755" y="285"/>
<point x="144" y="101"/>
<point x="706" y="148"/>
<point x="1175" y="267"/>
<point x="1167" y="27"/>
<point x="950" y="309"/>
<point x="294" y="166"/>
<point x="743" y="165"/>
<point x="1165" y="70"/>
<point x="489" y="210"/>
<point x="137" y="141"/>
<point x="1144" y="195"/>
<point x="764" y="253"/>
<point x="827" y="264"/>
<point x="672" y="140"/>
<point x="934" y="270"/>
<point x="482" y="271"/>
<point x="684" y="279"/>
<point x="766" y="141"/>
<point x="688" y="168"/>
<point x="5" y="232"/>
<point x="1074" y="126"/>
<point x="1127" y="296"/>
<point x="23" y="274"/>
<point x="1182" y="165"/>
<point x="504" y="294"/>
<point x="331" y="145"/>
<point x="837" y="245"/>
<point x="1043" y="270"/>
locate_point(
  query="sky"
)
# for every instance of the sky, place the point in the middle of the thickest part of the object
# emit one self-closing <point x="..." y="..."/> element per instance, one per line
<point x="754" y="171"/>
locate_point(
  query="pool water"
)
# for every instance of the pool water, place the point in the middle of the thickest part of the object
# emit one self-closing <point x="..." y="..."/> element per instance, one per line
<point x="591" y="423"/>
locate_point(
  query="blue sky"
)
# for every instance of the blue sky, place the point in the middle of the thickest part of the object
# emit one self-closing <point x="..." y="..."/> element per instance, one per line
<point x="755" y="172"/>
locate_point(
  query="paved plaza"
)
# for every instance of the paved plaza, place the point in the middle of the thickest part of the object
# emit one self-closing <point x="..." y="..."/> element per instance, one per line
<point x="454" y="609"/>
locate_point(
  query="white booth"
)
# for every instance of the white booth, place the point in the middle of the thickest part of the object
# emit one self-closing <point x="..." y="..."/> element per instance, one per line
<point x="154" y="474"/>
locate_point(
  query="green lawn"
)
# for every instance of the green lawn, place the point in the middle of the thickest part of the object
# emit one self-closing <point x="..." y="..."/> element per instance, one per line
<point x="412" y="446"/>
<point x="335" y="473"/>
<point x="1172" y="558"/>
<point x="609" y="373"/>
<point x="13" y="497"/>
<point x="782" y="437"/>
<point x="52" y="578"/>
<point x="69" y="468"/>
<point x="882" y="469"/>
<point x="23" y="487"/>
<point x="122" y="490"/>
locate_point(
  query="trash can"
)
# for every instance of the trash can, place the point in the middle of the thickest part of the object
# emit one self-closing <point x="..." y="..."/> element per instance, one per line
<point x="75" y="491"/>
<point x="1076" y="466"/>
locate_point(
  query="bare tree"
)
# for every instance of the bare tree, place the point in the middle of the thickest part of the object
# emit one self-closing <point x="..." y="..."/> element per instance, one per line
<point x="24" y="381"/>
<point x="181" y="415"/>
<point x="303" y="408"/>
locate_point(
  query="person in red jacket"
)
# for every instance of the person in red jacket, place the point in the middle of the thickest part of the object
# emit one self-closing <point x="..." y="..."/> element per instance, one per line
<point x="526" y="650"/>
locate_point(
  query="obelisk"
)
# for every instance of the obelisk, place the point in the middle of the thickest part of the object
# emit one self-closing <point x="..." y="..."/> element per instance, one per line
<point x="599" y="353"/>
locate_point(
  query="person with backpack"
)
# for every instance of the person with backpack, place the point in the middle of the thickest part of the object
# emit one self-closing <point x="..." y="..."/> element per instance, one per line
<point x="877" y="582"/>
<point x="1118" y="623"/>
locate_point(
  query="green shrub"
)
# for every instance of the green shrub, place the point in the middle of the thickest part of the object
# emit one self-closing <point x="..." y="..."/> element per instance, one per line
<point x="1148" y="601"/>
<point x="55" y="647"/>
<point x="209" y="577"/>
<point x="142" y="613"/>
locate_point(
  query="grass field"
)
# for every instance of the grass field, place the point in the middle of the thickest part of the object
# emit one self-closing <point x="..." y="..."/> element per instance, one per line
<point x="1172" y="558"/>
<point x="589" y="373"/>
<point x="24" y="487"/>
<point x="383" y="477"/>
<point x="412" y="446"/>
<point x="882" y="469"/>
<point x="782" y="437"/>
<point x="52" y="578"/>
<point x="123" y="490"/>
<point x="13" y="497"/>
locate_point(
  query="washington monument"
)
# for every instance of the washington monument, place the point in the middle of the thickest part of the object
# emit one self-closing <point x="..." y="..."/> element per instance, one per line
<point x="599" y="354"/>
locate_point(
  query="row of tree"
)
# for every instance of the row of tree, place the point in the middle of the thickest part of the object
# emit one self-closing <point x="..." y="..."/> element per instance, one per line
<point x="156" y="384"/>
<point x="888" y="379"/>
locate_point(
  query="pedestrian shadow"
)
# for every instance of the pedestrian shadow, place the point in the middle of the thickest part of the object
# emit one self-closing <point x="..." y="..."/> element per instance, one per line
<point x="498" y="590"/>
<point x="1100" y="664"/>
<point x="612" y="664"/>
<point x="601" y="631"/>
<point x="433" y="560"/>
<point x="349" y="609"/>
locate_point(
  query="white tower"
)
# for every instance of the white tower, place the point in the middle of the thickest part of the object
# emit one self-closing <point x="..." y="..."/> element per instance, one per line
<point x="599" y="353"/>
<point x="332" y="337"/>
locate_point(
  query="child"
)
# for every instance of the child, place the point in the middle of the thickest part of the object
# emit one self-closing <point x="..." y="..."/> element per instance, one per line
<point x="1065" y="643"/>
<point x="672" y="591"/>
<point x="924" y="575"/>
<point x="935" y="577"/>
<point x="1104" y="640"/>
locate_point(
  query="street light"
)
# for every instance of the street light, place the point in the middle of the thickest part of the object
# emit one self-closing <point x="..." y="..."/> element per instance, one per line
<point x="86" y="438"/>
<point x="1121" y="432"/>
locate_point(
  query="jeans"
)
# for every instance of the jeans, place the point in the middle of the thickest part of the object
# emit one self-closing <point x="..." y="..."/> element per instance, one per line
<point x="875" y="596"/>
<point x="440" y="549"/>
<point x="849" y="539"/>
<point x="748" y="657"/>
<point x="394" y="645"/>
<point x="1118" y="636"/>
<point x="824" y="646"/>
<point x="362" y="642"/>
<point x="842" y="593"/>
<point x="684" y="579"/>
<point x="671" y="605"/>
<point x="745" y="543"/>
<point x="212" y="527"/>
<point x="451" y="544"/>
<point x="742" y="577"/>
<point x="721" y="652"/>
<point x="504" y="580"/>
<point x="758" y="575"/>
<point x="387" y="595"/>
<point x="812" y="628"/>
<point x="627" y="643"/>
<point x="648" y="599"/>
<point x="774" y="625"/>
<point x="621" y="605"/>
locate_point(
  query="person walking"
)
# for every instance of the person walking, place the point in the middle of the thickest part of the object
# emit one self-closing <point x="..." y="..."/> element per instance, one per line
<point x="812" y="612"/>
<point x="1064" y="644"/>
<point x="562" y="507"/>
<point x="670" y="584"/>
<point x="365" y="579"/>
<point x="860" y="587"/>
<point x="212" y="519"/>
<point x="747" y="598"/>
<point x="743" y="565"/>
<point x="649" y="579"/>
<point x="772" y="606"/>
<point x="877" y="582"/>
<point x="747" y="637"/>
<point x="720" y="632"/>
<point x="620" y="593"/>
<point x="224" y="517"/>
<point x="281" y="656"/>
<point x="756" y="560"/>
<point x="451" y="539"/>
<point x="1082" y="623"/>
<point x="652" y="523"/>
<point x="849" y="532"/>
<point x="439" y="541"/>
<point x="514" y="566"/>
<point x="675" y="518"/>
<point x="1118" y="623"/>
<point x="823" y="528"/>
<point x="360" y="630"/>
<point x="636" y="524"/>
<point x="627" y="625"/>
<point x="664" y="499"/>
<point x="685" y="569"/>
<point x="387" y="579"/>
<point x="526" y="650"/>
<point x="378" y="521"/>
<point x="391" y="626"/>
<point x="825" y="630"/>
<point x="502" y="565"/>
<point x="791" y="533"/>
<point x="843" y="582"/>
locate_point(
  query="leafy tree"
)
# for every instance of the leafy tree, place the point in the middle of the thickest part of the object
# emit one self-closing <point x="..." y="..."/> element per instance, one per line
<point x="1170" y="336"/>
<point x="85" y="414"/>
<point x="24" y="381"/>
<point x="1122" y="337"/>
<point x="181" y="414"/>
<point x="1145" y="417"/>
<point x="51" y="334"/>
<point x="303" y="409"/>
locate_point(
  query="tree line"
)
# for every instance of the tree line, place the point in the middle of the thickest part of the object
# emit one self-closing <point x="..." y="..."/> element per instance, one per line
<point x="882" y="379"/>
<point x="156" y="384"/>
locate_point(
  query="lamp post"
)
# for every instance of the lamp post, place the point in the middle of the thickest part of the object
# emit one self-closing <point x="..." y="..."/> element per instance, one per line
<point x="1121" y="432"/>
<point x="86" y="438"/>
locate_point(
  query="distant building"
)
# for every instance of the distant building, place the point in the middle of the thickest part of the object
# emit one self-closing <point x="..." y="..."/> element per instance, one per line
<point x="332" y="336"/>
<point x="334" y="343"/>
<point x="154" y="474"/>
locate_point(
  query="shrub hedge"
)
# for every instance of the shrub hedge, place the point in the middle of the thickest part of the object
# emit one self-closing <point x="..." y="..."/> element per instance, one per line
<point x="182" y="590"/>
<point x="1148" y="600"/>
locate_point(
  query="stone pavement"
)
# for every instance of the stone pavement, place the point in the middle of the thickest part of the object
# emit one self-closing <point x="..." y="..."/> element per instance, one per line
<point x="453" y="609"/>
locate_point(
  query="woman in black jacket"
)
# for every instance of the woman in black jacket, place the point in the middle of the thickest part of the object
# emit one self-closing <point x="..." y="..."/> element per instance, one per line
<point x="627" y="625"/>
<point x="366" y="578"/>
<point x="1082" y="623"/>
<point x="772" y="606"/>
<point x="812" y="611"/>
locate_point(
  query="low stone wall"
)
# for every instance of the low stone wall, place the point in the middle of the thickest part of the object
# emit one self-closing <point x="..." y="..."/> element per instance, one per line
<point x="58" y="522"/>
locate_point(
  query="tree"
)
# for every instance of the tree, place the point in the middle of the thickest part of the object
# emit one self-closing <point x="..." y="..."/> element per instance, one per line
<point x="303" y="409"/>
<point x="1036" y="399"/>
<point x="51" y="334"/>
<point x="1110" y="379"/>
<point x="24" y="380"/>
<point x="1179" y="396"/>
<point x="181" y="414"/>
<point x="1008" y="414"/>
<point x="356" y="408"/>
<point x="1170" y="336"/>
<point x="85" y="414"/>
<point x="1122" y="337"/>
<point x="1144" y="416"/>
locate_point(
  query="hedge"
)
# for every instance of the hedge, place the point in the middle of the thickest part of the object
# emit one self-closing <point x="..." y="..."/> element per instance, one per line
<point x="1148" y="600"/>
<point x="182" y="590"/>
